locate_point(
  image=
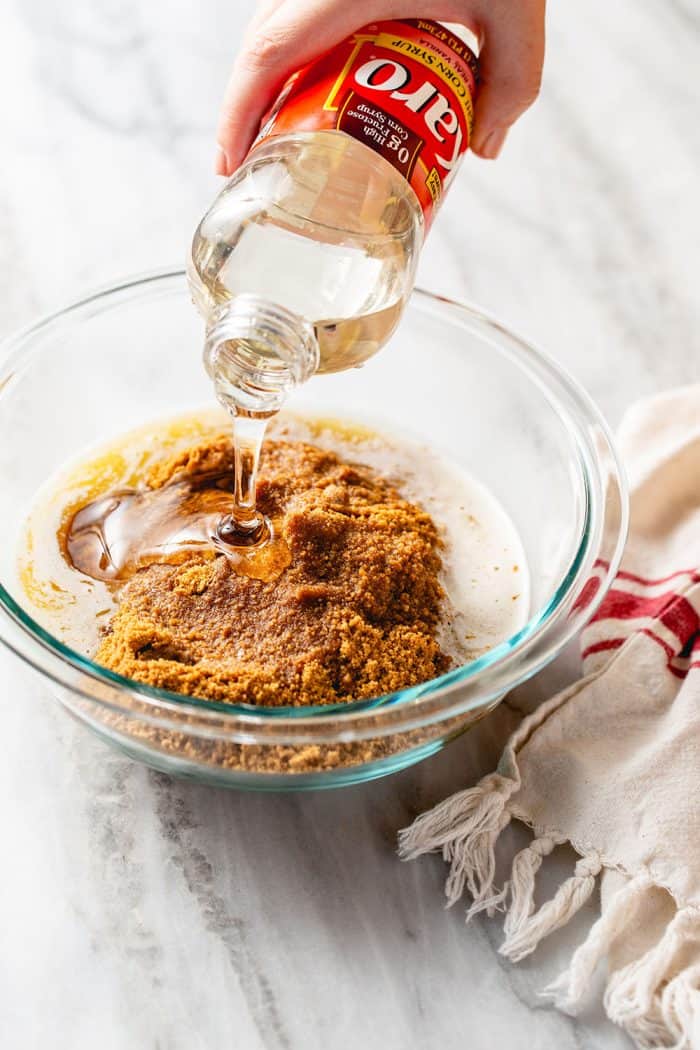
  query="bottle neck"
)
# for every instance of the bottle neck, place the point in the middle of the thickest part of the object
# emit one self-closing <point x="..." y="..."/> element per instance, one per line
<point x="257" y="353"/>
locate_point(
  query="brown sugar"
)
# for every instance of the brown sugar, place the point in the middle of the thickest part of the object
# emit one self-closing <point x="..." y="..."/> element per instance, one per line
<point x="351" y="613"/>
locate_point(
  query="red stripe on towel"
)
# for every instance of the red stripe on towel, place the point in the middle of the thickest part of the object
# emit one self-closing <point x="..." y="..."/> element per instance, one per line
<point x="649" y="581"/>
<point x="602" y="647"/>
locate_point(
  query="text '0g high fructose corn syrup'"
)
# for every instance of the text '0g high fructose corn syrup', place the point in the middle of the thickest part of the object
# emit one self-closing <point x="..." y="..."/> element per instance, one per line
<point x="305" y="260"/>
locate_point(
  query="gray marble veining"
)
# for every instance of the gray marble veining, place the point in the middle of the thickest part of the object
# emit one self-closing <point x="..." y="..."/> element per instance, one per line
<point x="139" y="911"/>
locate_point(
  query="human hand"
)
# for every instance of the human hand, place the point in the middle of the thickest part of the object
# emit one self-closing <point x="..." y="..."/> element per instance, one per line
<point x="285" y="35"/>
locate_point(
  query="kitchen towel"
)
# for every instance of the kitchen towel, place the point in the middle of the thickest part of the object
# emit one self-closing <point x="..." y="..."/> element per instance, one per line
<point x="612" y="765"/>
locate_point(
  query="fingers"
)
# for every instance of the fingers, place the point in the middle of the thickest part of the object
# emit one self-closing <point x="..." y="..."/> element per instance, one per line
<point x="293" y="33"/>
<point x="511" y="70"/>
<point x="263" y="11"/>
<point x="286" y="34"/>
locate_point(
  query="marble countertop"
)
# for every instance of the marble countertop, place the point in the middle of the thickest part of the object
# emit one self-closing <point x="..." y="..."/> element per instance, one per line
<point x="140" y="911"/>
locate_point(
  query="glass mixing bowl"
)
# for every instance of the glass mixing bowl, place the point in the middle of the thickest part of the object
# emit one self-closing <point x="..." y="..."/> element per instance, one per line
<point x="450" y="377"/>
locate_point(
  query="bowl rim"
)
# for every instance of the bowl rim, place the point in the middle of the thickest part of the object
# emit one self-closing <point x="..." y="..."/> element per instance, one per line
<point x="568" y="399"/>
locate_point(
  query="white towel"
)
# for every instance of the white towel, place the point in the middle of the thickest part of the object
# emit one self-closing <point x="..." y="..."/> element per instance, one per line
<point x="612" y="765"/>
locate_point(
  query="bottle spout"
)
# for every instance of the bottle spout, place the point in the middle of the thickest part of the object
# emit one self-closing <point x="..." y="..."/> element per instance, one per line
<point x="257" y="352"/>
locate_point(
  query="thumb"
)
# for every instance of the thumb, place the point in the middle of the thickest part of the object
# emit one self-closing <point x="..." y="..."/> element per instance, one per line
<point x="510" y="64"/>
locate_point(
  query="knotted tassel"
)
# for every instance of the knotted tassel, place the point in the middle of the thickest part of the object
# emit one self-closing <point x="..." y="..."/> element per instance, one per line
<point x="521" y="885"/>
<point x="569" y="898"/>
<point x="465" y="827"/>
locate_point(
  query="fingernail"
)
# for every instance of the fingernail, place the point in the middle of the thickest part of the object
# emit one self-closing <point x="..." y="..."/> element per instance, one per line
<point x="493" y="143"/>
<point x="221" y="163"/>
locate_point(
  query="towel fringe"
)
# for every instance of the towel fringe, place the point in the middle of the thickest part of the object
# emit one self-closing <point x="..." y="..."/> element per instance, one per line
<point x="680" y="1007"/>
<point x="651" y="997"/>
<point x="570" y="988"/>
<point x="655" y="998"/>
<point x="465" y="827"/>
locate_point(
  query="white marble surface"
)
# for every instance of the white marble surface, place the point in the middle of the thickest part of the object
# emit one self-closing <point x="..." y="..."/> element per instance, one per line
<point x="139" y="911"/>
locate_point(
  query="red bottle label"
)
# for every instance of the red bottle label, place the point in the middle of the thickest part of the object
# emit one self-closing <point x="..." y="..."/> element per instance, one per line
<point x="405" y="89"/>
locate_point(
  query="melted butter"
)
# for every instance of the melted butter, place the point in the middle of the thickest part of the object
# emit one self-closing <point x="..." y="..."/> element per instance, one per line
<point x="341" y="429"/>
<point x="43" y="593"/>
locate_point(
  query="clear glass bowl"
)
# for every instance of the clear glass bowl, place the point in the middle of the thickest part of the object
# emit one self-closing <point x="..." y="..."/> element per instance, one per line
<point x="451" y="377"/>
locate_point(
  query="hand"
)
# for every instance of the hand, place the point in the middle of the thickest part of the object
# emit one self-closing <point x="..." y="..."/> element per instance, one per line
<point x="286" y="34"/>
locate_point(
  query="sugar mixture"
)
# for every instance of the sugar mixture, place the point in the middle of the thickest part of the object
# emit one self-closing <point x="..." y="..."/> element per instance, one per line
<point x="388" y="565"/>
